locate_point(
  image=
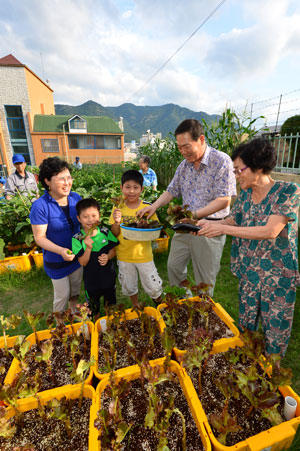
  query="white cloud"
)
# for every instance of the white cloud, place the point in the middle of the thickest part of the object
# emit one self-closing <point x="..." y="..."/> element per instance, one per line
<point x="105" y="50"/>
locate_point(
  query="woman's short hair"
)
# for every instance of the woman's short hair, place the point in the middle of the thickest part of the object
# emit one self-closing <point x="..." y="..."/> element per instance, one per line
<point x="146" y="159"/>
<point x="49" y="167"/>
<point x="256" y="154"/>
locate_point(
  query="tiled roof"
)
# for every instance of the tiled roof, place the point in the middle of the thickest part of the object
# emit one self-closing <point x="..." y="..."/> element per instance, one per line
<point x="10" y="60"/>
<point x="54" y="123"/>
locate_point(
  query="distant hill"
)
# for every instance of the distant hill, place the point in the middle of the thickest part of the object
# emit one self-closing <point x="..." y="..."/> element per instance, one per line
<point x="139" y="119"/>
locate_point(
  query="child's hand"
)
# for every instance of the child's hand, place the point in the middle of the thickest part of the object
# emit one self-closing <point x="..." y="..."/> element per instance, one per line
<point x="117" y="215"/>
<point x="88" y="242"/>
<point x="103" y="259"/>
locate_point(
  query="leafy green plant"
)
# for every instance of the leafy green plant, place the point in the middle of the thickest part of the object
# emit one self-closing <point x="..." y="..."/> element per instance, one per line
<point x="6" y="324"/>
<point x="165" y="158"/>
<point x="33" y="320"/>
<point x="176" y="213"/>
<point x="199" y="347"/>
<point x="80" y="373"/>
<point x="159" y="412"/>
<point x="15" y="225"/>
<point x="224" y="424"/>
<point x="110" y="420"/>
<point x="7" y="430"/>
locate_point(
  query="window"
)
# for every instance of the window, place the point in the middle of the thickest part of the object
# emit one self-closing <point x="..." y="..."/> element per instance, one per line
<point x="13" y="111"/>
<point x="50" y="145"/>
<point x="15" y="123"/>
<point x="17" y="132"/>
<point x="77" y="124"/>
<point x="94" y="142"/>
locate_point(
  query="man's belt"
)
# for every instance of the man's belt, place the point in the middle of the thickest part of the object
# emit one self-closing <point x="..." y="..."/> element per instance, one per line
<point x="216" y="219"/>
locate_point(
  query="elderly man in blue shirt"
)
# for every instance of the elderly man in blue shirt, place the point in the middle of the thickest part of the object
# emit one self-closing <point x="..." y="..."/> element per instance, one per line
<point x="149" y="175"/>
<point x="206" y="183"/>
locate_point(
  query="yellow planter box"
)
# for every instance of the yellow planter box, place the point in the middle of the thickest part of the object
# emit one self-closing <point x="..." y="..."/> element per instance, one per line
<point x="70" y="392"/>
<point x="129" y="314"/>
<point x="132" y="373"/>
<point x="37" y="257"/>
<point x="19" y="263"/>
<point x="277" y="438"/>
<point x="221" y="345"/>
<point x="44" y="335"/>
<point x="160" y="245"/>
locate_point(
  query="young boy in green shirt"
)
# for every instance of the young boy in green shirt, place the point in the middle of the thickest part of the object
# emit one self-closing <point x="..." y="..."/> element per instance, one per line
<point x="95" y="248"/>
<point x="135" y="258"/>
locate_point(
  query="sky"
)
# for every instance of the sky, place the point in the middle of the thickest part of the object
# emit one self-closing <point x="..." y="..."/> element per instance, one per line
<point x="244" y="56"/>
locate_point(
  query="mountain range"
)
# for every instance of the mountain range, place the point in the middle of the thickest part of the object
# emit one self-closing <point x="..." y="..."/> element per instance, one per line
<point x="138" y="119"/>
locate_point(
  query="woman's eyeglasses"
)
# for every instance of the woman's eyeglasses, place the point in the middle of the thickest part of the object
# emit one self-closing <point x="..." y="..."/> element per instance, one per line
<point x="63" y="179"/>
<point x="239" y="171"/>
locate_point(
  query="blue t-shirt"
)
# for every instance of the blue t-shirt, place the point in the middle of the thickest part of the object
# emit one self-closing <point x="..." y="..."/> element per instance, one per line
<point x="150" y="178"/>
<point x="62" y="225"/>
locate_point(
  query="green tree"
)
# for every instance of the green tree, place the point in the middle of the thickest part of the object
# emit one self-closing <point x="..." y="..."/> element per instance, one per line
<point x="292" y="127"/>
<point x="229" y="131"/>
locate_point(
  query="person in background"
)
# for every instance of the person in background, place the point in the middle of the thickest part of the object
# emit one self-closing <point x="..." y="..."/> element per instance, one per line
<point x="135" y="258"/>
<point x="21" y="181"/>
<point x="95" y="253"/>
<point x="54" y="221"/>
<point x="148" y="174"/>
<point x="77" y="164"/>
<point x="264" y="253"/>
<point x="205" y="181"/>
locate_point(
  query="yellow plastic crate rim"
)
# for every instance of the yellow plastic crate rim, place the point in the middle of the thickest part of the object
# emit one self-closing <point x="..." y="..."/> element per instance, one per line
<point x="129" y="314"/>
<point x="10" y="341"/>
<point x="221" y="345"/>
<point x="187" y="388"/>
<point x="37" y="258"/>
<point x="19" y="263"/>
<point x="44" y="335"/>
<point x="70" y="391"/>
<point x="160" y="244"/>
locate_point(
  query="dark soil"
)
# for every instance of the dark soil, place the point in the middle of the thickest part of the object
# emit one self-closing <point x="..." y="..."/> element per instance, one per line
<point x="45" y="434"/>
<point x="61" y="362"/>
<point x="5" y="361"/>
<point x="213" y="400"/>
<point x="141" y="345"/>
<point x="143" y="224"/>
<point x="134" y="408"/>
<point x="209" y="321"/>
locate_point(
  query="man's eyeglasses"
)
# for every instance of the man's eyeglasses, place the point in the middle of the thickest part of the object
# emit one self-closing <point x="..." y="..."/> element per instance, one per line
<point x="63" y="179"/>
<point x="239" y="171"/>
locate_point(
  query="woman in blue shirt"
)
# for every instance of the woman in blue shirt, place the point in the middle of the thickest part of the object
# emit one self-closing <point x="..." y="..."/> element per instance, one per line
<point x="54" y="221"/>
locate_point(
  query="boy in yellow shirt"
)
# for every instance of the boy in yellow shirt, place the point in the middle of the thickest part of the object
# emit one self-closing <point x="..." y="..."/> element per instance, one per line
<point x="134" y="258"/>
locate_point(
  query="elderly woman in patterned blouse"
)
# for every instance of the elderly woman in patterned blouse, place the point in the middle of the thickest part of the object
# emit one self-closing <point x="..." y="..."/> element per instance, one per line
<point x="264" y="224"/>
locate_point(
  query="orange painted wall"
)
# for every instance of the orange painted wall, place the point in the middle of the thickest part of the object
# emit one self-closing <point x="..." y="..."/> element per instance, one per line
<point x="86" y="155"/>
<point x="40" y="95"/>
